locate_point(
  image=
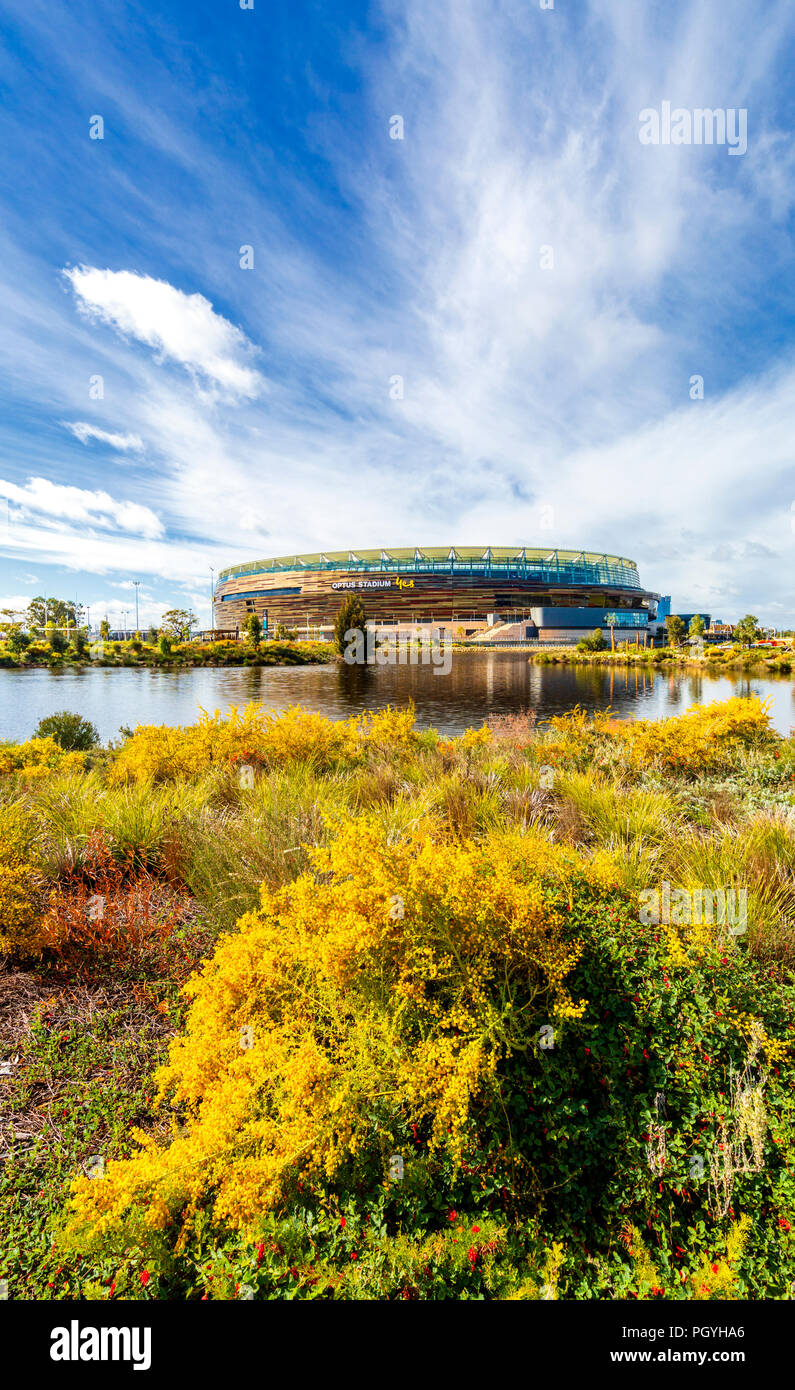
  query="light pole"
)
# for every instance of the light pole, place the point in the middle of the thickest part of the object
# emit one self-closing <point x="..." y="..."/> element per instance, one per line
<point x="212" y="600"/>
<point x="136" y="582"/>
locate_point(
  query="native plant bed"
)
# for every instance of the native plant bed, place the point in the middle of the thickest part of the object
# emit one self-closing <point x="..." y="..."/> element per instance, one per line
<point x="294" y="1008"/>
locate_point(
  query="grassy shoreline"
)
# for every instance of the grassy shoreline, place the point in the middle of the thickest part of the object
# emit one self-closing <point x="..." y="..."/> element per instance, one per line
<point x="183" y="655"/>
<point x="671" y="658"/>
<point x="400" y="947"/>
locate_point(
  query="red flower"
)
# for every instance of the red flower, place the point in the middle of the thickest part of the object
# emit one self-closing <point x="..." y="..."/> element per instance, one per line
<point x="475" y="1230"/>
<point x="783" y="1223"/>
<point x="260" y="1253"/>
<point x="452" y="1216"/>
<point x="144" y="1277"/>
<point x="112" y="1289"/>
<point x="354" y="1256"/>
<point x="342" y="1223"/>
<point x="472" y="1254"/>
<point x="714" y="1269"/>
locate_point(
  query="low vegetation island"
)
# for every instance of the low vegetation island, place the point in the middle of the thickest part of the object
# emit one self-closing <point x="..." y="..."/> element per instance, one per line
<point x="63" y="640"/>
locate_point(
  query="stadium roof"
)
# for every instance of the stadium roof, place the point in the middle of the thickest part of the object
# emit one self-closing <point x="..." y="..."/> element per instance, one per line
<point x="407" y="554"/>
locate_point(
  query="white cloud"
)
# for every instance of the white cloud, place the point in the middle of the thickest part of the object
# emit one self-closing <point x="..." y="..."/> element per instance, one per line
<point x="522" y="385"/>
<point x="15" y="603"/>
<point x="84" y="432"/>
<point x="61" y="504"/>
<point x="179" y="326"/>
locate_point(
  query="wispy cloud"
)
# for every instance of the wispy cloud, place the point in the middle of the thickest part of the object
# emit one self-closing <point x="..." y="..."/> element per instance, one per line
<point x="541" y="284"/>
<point x="84" y="432"/>
<point x="179" y="326"/>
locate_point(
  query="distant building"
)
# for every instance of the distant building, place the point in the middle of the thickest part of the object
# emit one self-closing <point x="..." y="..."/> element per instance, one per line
<point x="687" y="618"/>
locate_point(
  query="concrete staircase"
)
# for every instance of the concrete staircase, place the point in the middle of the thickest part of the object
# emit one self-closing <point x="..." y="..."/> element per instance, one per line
<point x="502" y="632"/>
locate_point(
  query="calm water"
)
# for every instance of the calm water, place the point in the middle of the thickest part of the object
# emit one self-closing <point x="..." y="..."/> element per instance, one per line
<point x="480" y="684"/>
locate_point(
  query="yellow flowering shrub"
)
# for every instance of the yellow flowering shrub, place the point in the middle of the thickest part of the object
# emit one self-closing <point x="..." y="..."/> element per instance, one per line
<point x="547" y="1287"/>
<point x="687" y="944"/>
<point x="717" y="1278"/>
<point x="704" y="738"/>
<point x="475" y="738"/>
<point x="37" y="757"/>
<point x="578" y="723"/>
<point x="389" y="728"/>
<point x="20" y="889"/>
<point x="253" y="734"/>
<point x="388" y="981"/>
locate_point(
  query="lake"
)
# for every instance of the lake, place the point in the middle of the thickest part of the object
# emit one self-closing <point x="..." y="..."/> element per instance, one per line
<point x="479" y="684"/>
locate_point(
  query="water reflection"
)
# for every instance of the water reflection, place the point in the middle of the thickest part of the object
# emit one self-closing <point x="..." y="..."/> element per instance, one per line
<point x="479" y="684"/>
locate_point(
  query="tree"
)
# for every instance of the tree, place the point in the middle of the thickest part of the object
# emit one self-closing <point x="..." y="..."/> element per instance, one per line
<point x="350" y="618"/>
<point x="747" y="630"/>
<point x="104" y="629"/>
<point x="253" y="626"/>
<point x="80" y="641"/>
<point x="675" y="628"/>
<point x="177" y="623"/>
<point x="69" y="730"/>
<point x="611" y="620"/>
<point x="17" y="640"/>
<point x="43" y="611"/>
<point x="696" y="628"/>
<point x="10" y="619"/>
<point x="56" y="639"/>
<point x="164" y="645"/>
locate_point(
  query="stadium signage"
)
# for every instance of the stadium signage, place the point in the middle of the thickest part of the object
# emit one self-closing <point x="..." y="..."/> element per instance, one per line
<point x="373" y="584"/>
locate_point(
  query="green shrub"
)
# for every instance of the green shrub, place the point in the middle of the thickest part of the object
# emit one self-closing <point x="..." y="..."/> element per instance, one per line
<point x="595" y="642"/>
<point x="70" y="731"/>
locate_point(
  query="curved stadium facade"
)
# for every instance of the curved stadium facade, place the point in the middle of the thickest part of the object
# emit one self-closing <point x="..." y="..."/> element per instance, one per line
<point x="472" y="592"/>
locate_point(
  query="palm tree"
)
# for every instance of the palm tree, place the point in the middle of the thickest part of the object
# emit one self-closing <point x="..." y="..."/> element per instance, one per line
<point x="611" y="619"/>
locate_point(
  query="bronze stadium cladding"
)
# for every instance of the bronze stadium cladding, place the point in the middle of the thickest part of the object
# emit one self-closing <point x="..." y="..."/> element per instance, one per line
<point x="312" y="595"/>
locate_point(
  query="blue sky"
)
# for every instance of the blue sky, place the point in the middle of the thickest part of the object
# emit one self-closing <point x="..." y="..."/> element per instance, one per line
<point x="254" y="412"/>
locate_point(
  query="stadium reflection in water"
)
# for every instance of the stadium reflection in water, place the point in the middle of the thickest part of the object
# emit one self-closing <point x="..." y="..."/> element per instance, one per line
<point x="478" y="685"/>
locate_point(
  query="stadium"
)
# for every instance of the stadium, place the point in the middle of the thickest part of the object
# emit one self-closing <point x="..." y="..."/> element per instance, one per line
<point x="472" y="593"/>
